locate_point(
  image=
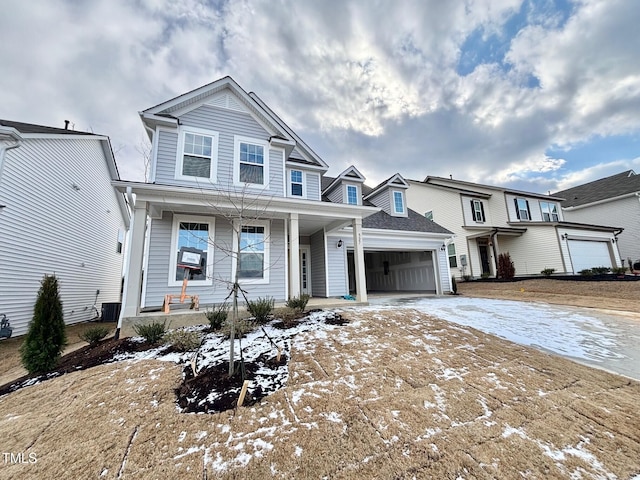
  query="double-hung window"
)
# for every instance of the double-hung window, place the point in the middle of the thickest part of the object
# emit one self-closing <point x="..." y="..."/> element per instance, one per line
<point x="251" y="161"/>
<point x="477" y="211"/>
<point x="398" y="202"/>
<point x="451" y="251"/>
<point x="197" y="155"/>
<point x="253" y="257"/>
<point x="296" y="183"/>
<point x="549" y="211"/>
<point x="352" y="195"/>
<point x="522" y="209"/>
<point x="197" y="233"/>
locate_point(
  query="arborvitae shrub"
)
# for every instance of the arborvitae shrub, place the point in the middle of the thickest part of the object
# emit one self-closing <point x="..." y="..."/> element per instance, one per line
<point x="46" y="337"/>
<point x="506" y="269"/>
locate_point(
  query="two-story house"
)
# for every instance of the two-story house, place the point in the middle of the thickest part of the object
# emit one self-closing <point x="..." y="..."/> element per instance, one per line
<point x="231" y="180"/>
<point x="59" y="215"/>
<point x="615" y="198"/>
<point x="489" y="220"/>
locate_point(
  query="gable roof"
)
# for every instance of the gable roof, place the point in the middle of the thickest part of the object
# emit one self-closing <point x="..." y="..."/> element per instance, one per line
<point x="166" y="113"/>
<point x="605" y="188"/>
<point x="394" y="180"/>
<point x="351" y="174"/>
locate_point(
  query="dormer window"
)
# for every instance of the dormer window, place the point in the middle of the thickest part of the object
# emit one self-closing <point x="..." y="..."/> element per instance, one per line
<point x="549" y="211"/>
<point x="352" y="195"/>
<point x="398" y="202"/>
<point x="522" y="209"/>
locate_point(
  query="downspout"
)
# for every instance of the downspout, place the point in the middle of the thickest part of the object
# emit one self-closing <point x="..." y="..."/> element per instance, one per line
<point x="12" y="134"/>
<point x="495" y="251"/>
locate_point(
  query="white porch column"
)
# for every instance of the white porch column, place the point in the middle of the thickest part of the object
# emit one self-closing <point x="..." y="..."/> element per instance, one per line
<point x="358" y="256"/>
<point x="294" y="256"/>
<point x="133" y="271"/>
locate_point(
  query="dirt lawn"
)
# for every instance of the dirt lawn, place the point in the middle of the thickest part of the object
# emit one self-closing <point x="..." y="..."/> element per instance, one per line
<point x="393" y="394"/>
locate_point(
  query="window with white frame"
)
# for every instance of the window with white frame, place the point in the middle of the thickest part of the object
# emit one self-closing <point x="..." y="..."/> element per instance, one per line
<point x="192" y="232"/>
<point x="251" y="161"/>
<point x="549" y="211"/>
<point x="197" y="157"/>
<point x="296" y="183"/>
<point x="398" y="202"/>
<point x="522" y="209"/>
<point x="477" y="211"/>
<point x="451" y="251"/>
<point x="253" y="258"/>
<point x="352" y="195"/>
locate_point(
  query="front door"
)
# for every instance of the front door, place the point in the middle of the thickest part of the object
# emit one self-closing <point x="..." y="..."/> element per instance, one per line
<point x="484" y="259"/>
<point x="305" y="269"/>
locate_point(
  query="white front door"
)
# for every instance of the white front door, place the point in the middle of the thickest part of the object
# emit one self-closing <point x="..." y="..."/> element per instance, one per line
<point x="305" y="269"/>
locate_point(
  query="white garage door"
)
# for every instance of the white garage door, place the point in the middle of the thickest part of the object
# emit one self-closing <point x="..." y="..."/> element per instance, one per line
<point x="586" y="254"/>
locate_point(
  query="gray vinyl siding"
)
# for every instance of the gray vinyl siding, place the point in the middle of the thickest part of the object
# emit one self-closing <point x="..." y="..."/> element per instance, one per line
<point x="48" y="227"/>
<point x="313" y="186"/>
<point x="383" y="200"/>
<point x="337" y="267"/>
<point x="157" y="283"/>
<point x="227" y="123"/>
<point x="318" y="267"/>
<point x="336" y="195"/>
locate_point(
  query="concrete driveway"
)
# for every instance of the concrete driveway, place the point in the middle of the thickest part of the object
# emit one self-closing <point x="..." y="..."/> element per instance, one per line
<point x="601" y="339"/>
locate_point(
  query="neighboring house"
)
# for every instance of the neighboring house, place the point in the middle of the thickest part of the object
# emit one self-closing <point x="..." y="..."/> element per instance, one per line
<point x="489" y="220"/>
<point x="225" y="168"/>
<point x="59" y="215"/>
<point x="611" y="199"/>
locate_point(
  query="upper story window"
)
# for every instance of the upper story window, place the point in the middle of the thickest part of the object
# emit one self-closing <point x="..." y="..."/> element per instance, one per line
<point x="398" y="202"/>
<point x="352" y="195"/>
<point x="477" y="211"/>
<point x="197" y="155"/>
<point x="429" y="215"/>
<point x="251" y="161"/>
<point x="549" y="211"/>
<point x="522" y="209"/>
<point x="296" y="183"/>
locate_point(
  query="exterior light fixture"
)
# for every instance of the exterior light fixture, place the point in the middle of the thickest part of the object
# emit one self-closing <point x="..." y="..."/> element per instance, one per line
<point x="565" y="236"/>
<point x="339" y="245"/>
<point x="443" y="247"/>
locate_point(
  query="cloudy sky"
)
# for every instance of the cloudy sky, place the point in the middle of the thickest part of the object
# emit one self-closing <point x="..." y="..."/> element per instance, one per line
<point x="537" y="94"/>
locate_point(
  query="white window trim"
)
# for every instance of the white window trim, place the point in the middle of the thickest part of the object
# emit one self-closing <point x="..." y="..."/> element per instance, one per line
<point x="393" y="203"/>
<point x="542" y="211"/>
<point x="237" y="140"/>
<point x="267" y="251"/>
<point x="173" y="258"/>
<point x="215" y="136"/>
<point x="479" y="213"/>
<point x="346" y="193"/>
<point x="520" y="210"/>
<point x="304" y="183"/>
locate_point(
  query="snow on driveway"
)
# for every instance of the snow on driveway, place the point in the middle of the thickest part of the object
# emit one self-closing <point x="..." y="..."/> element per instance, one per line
<point x="607" y="341"/>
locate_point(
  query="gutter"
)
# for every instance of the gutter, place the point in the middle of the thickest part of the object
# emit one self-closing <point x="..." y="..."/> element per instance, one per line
<point x="10" y="133"/>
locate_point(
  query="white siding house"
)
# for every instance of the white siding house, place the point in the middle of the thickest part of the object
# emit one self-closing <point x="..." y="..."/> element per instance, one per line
<point x="489" y="220"/>
<point x="60" y="215"/>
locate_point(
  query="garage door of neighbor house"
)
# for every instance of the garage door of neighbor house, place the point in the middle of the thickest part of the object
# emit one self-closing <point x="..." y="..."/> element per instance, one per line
<point x="589" y="254"/>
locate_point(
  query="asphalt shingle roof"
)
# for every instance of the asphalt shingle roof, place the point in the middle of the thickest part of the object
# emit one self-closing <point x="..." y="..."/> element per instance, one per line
<point x="31" y="128"/>
<point x="414" y="222"/>
<point x="608" y="187"/>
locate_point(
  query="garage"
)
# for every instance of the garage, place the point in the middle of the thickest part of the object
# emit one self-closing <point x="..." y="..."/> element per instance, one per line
<point x="588" y="254"/>
<point x="410" y="271"/>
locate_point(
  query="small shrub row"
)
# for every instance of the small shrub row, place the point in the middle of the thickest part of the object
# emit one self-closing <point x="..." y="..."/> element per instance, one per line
<point x="261" y="309"/>
<point x="217" y="315"/>
<point x="153" y="332"/>
<point x="93" y="335"/>
<point x="183" y="340"/>
<point x="547" y="272"/>
<point x="298" y="303"/>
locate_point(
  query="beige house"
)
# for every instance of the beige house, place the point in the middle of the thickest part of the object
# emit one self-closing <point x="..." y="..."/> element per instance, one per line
<point x="489" y="220"/>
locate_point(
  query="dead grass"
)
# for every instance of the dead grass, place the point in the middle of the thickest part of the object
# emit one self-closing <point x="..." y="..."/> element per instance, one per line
<point x="611" y="295"/>
<point x="391" y="395"/>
